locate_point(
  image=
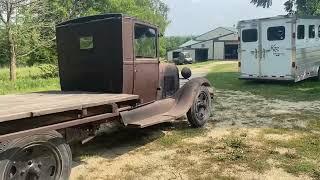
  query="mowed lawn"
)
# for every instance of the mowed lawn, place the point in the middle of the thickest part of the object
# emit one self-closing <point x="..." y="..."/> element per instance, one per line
<point x="29" y="80"/>
<point x="259" y="130"/>
<point x="225" y="76"/>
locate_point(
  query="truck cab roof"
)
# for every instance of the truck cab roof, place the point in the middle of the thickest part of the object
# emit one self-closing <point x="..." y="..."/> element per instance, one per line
<point x="103" y="17"/>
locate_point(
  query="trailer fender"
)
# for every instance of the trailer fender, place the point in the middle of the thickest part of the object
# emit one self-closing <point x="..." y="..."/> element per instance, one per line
<point x="166" y="110"/>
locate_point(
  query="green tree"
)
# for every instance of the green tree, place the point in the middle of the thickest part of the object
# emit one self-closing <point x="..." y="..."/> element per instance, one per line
<point x="24" y="27"/>
<point x="172" y="43"/>
<point x="299" y="7"/>
<point x="262" y="3"/>
<point x="9" y="10"/>
<point x="28" y="26"/>
<point x="3" y="47"/>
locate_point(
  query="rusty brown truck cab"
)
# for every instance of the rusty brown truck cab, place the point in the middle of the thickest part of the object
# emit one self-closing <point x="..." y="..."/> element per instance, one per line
<point x="109" y="72"/>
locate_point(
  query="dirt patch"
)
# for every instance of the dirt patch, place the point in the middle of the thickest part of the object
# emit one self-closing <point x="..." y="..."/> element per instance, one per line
<point x="137" y="165"/>
<point x="278" y="137"/>
<point x="274" y="173"/>
<point x="242" y="109"/>
<point x="232" y="146"/>
<point x="205" y="67"/>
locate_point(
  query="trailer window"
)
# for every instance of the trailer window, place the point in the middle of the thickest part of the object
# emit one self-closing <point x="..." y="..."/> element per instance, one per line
<point x="250" y="35"/>
<point x="145" y="42"/>
<point x="301" y="32"/>
<point x="86" y="42"/>
<point x="276" y="33"/>
<point x="312" y="31"/>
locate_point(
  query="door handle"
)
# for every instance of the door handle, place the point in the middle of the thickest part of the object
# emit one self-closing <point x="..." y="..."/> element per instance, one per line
<point x="256" y="53"/>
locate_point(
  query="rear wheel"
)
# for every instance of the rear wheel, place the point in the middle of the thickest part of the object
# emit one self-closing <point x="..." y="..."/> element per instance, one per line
<point x="318" y="78"/>
<point x="42" y="156"/>
<point x="200" y="111"/>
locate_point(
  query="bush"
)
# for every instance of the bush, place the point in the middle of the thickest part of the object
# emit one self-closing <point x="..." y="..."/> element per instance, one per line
<point x="49" y="70"/>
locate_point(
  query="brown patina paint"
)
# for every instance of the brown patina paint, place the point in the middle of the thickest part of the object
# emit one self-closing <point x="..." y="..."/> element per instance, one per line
<point x="140" y="75"/>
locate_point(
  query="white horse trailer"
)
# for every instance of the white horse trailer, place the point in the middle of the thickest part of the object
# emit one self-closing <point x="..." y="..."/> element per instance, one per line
<point x="280" y="48"/>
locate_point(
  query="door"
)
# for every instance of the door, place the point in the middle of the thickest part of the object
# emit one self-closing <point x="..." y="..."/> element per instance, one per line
<point x="201" y="55"/>
<point x="146" y="63"/>
<point x="249" y="50"/>
<point x="231" y="51"/>
<point x="276" y="40"/>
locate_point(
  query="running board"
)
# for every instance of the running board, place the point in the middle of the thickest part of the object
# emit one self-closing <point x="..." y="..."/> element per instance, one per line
<point x="149" y="115"/>
<point x="151" y="121"/>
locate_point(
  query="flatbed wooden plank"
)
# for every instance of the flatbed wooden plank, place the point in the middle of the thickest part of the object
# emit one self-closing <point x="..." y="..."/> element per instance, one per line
<point x="14" y="107"/>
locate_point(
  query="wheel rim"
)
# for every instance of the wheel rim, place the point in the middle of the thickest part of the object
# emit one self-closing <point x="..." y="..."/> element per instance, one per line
<point x="202" y="107"/>
<point x="34" y="162"/>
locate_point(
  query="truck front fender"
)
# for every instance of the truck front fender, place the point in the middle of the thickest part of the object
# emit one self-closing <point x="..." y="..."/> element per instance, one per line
<point x="166" y="110"/>
<point x="185" y="96"/>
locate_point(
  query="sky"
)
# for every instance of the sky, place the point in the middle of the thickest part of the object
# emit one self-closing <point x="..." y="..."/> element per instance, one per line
<point x="195" y="17"/>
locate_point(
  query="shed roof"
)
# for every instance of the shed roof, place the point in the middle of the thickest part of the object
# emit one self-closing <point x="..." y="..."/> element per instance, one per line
<point x="216" y="33"/>
<point x="189" y="43"/>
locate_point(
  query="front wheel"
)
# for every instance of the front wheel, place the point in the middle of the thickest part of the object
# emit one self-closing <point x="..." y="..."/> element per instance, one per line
<point x="199" y="113"/>
<point x="41" y="156"/>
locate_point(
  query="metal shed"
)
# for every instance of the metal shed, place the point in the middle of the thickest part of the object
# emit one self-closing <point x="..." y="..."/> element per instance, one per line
<point x="218" y="44"/>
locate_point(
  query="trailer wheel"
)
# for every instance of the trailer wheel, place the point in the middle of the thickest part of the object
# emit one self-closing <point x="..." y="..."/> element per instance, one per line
<point x="199" y="113"/>
<point x="42" y="156"/>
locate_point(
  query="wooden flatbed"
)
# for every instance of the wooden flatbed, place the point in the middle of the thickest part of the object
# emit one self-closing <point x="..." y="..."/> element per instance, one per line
<point x="14" y="107"/>
<point x="43" y="111"/>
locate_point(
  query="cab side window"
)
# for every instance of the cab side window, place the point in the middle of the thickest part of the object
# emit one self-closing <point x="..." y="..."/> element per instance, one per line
<point x="301" y="32"/>
<point x="312" y="31"/>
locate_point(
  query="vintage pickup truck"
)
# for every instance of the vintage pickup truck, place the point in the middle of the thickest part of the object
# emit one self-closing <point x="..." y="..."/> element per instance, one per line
<point x="109" y="71"/>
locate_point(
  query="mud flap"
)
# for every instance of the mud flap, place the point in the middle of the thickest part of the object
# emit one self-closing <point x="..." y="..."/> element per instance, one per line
<point x="166" y="110"/>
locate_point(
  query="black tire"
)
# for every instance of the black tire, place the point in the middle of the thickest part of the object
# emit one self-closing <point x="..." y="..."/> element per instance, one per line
<point x="43" y="156"/>
<point x="318" y="78"/>
<point x="200" y="112"/>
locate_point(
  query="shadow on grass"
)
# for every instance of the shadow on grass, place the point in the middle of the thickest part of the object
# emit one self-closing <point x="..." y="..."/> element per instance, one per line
<point x="308" y="90"/>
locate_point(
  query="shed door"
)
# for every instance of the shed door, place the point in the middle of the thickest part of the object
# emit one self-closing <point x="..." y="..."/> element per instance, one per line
<point x="249" y="53"/>
<point x="276" y="51"/>
<point x="146" y="63"/>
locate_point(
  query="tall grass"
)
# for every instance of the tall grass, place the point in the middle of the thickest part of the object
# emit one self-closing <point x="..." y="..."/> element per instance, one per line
<point x="29" y="79"/>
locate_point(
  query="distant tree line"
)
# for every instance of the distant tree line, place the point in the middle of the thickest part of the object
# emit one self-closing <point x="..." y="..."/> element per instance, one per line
<point x="27" y="27"/>
<point x="172" y="43"/>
